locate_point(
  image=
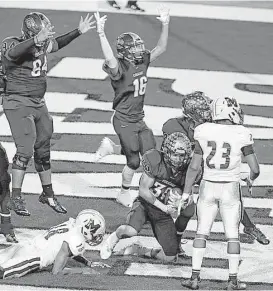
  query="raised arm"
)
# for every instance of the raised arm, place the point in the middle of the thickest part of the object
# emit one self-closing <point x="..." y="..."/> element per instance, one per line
<point x="110" y="59"/>
<point x="163" y="40"/>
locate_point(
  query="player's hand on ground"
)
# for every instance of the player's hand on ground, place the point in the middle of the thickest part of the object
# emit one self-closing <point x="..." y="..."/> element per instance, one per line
<point x="164" y="14"/>
<point x="86" y="23"/>
<point x="78" y="270"/>
<point x="100" y="22"/>
<point x="98" y="264"/>
<point x="45" y="33"/>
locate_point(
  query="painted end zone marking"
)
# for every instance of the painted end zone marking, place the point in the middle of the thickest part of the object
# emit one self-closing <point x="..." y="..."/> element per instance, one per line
<point x="4" y="287"/>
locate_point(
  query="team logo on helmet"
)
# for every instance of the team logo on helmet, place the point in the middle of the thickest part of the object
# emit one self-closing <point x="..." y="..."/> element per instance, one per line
<point x="196" y="106"/>
<point x="177" y="151"/>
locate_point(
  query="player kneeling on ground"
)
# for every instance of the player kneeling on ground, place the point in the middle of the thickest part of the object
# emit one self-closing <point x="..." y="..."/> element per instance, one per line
<point x="163" y="172"/>
<point x="220" y="146"/>
<point x="55" y="246"/>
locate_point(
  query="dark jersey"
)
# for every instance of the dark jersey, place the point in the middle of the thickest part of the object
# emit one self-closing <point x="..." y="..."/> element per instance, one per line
<point x="129" y="85"/>
<point x="155" y="167"/>
<point x="25" y="76"/>
<point x="2" y="77"/>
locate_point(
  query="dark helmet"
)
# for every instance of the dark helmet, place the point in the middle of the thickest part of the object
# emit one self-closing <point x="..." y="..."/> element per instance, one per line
<point x="33" y="23"/>
<point x="177" y="150"/>
<point x="130" y="47"/>
<point x="196" y="106"/>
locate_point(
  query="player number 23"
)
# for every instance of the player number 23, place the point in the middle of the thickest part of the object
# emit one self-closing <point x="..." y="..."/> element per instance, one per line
<point x="140" y="86"/>
<point x="226" y="148"/>
<point x="38" y="67"/>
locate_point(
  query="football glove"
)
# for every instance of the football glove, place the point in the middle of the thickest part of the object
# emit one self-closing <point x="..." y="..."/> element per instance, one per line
<point x="86" y="24"/>
<point x="174" y="198"/>
<point x="249" y="183"/>
<point x="45" y="33"/>
<point x="185" y="200"/>
<point x="100" y="22"/>
<point x="172" y="211"/>
<point x="164" y="15"/>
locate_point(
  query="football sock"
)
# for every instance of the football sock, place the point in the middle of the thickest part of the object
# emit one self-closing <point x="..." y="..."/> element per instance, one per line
<point x="17" y="181"/>
<point x="246" y="220"/>
<point x="232" y="278"/>
<point x="127" y="177"/>
<point x="197" y="257"/>
<point x="47" y="189"/>
<point x="233" y="251"/>
<point x="195" y="274"/>
<point x="16" y="192"/>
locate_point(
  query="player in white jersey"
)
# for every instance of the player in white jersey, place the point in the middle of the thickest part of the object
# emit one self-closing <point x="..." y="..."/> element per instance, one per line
<point x="55" y="246"/>
<point x="220" y="145"/>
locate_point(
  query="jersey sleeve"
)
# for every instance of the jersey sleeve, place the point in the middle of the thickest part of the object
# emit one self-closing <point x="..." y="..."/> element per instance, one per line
<point x="247" y="138"/>
<point x="76" y="244"/>
<point x="150" y="162"/>
<point x="7" y="45"/>
<point x="109" y="71"/>
<point x="198" y="133"/>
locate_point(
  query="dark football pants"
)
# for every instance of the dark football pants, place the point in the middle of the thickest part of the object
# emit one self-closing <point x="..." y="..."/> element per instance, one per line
<point x="135" y="138"/>
<point x="31" y="129"/>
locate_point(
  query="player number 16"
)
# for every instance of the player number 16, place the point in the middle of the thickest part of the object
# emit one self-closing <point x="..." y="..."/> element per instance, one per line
<point x="140" y="86"/>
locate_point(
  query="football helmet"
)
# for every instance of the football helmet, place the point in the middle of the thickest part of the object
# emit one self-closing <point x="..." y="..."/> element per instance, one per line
<point x="33" y="23"/>
<point x="196" y="106"/>
<point x="227" y="108"/>
<point x="92" y="226"/>
<point x="130" y="47"/>
<point x="177" y="151"/>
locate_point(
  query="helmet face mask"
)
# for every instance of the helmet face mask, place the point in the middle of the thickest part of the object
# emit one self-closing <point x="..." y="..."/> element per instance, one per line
<point x="33" y="23"/>
<point x="92" y="226"/>
<point x="196" y="107"/>
<point x="227" y="109"/>
<point x="177" y="151"/>
<point x="130" y="47"/>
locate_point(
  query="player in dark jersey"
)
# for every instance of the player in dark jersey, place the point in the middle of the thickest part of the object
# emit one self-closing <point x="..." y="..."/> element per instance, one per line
<point x="24" y="62"/>
<point x="128" y="73"/>
<point x="163" y="171"/>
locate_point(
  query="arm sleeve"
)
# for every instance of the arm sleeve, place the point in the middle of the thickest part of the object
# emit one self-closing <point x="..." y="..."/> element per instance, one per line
<point x="109" y="71"/>
<point x="52" y="46"/>
<point x="247" y="150"/>
<point x="65" y="39"/>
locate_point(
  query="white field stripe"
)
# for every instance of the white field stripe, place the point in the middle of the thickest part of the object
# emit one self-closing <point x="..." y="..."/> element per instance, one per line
<point x="5" y="287"/>
<point x="176" y="9"/>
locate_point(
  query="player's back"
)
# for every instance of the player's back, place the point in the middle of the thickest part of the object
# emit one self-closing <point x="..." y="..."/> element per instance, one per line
<point x="221" y="145"/>
<point x="130" y="89"/>
<point x="25" y="76"/>
<point x="50" y="242"/>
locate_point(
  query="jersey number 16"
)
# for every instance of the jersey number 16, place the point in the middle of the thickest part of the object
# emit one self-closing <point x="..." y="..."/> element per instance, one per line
<point x="140" y="86"/>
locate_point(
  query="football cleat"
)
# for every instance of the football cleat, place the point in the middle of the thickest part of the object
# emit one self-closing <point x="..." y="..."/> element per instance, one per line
<point x="11" y="238"/>
<point x="18" y="205"/>
<point x="124" y="197"/>
<point x="106" y="148"/>
<point x="256" y="233"/>
<point x="236" y="285"/>
<point x="108" y="247"/>
<point x="114" y="4"/>
<point x="52" y="202"/>
<point x="191" y="283"/>
<point x="134" y="7"/>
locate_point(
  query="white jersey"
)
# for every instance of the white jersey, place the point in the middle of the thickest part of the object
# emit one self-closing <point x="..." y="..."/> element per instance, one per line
<point x="221" y="145"/>
<point x="50" y="242"/>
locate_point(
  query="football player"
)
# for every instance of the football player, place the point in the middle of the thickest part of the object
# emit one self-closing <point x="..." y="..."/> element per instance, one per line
<point x="128" y="73"/>
<point x="163" y="172"/>
<point x="220" y="145"/>
<point x="24" y="61"/>
<point x="55" y="246"/>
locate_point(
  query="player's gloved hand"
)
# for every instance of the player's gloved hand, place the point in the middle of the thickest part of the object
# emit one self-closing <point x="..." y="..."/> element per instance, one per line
<point x="185" y="200"/>
<point x="164" y="14"/>
<point x="86" y="24"/>
<point x="244" y="176"/>
<point x="45" y="33"/>
<point x="100" y="22"/>
<point x="98" y="264"/>
<point x="174" y="198"/>
<point x="172" y="211"/>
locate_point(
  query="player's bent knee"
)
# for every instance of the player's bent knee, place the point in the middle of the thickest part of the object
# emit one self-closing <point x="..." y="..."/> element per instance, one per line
<point x="42" y="163"/>
<point x="133" y="162"/>
<point x="19" y="162"/>
<point x="233" y="246"/>
<point x="126" y="231"/>
<point x="200" y="241"/>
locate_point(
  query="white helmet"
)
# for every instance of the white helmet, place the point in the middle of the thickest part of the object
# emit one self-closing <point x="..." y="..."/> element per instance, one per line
<point x="227" y="108"/>
<point x="92" y="225"/>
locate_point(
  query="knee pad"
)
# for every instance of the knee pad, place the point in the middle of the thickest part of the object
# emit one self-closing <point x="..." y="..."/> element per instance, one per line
<point x="233" y="246"/>
<point x="42" y="164"/>
<point x="200" y="241"/>
<point x="133" y="161"/>
<point x="19" y="162"/>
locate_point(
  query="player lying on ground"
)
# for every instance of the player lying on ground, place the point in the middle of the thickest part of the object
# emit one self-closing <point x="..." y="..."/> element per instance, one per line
<point x="55" y="246"/>
<point x="195" y="111"/>
<point x="24" y="61"/>
<point x="220" y="145"/>
<point x="163" y="172"/>
<point x="128" y="73"/>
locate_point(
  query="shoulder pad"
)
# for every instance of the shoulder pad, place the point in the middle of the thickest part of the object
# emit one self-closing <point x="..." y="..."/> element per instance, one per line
<point x="150" y="160"/>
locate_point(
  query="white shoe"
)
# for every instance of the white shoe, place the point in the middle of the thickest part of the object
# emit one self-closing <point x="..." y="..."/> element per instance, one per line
<point x="108" y="247"/>
<point x="124" y="198"/>
<point x="106" y="148"/>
